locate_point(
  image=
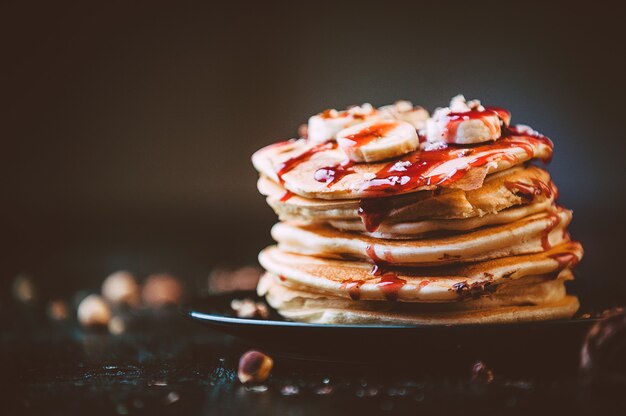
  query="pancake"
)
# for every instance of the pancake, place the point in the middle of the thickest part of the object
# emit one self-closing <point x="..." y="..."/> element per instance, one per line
<point x="443" y="283"/>
<point x="416" y="229"/>
<point x="529" y="235"/>
<point x="306" y="307"/>
<point x="529" y="290"/>
<point x="459" y="168"/>
<point x="518" y="186"/>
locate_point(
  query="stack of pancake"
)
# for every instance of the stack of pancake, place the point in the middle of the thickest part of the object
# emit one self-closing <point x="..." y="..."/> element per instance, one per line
<point x="452" y="226"/>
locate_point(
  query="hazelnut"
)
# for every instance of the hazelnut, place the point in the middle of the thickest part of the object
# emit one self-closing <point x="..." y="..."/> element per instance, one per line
<point x="224" y="280"/>
<point x="482" y="373"/>
<point x="254" y="366"/>
<point x="58" y="310"/>
<point x="162" y="289"/>
<point x="247" y="308"/>
<point x="116" y="325"/>
<point x="93" y="311"/>
<point x="121" y="288"/>
<point x="24" y="289"/>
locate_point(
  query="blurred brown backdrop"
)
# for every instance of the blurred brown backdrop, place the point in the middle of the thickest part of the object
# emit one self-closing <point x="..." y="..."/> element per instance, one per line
<point x="128" y="126"/>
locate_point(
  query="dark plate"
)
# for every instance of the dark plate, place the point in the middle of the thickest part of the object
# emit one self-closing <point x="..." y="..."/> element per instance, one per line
<point x="553" y="342"/>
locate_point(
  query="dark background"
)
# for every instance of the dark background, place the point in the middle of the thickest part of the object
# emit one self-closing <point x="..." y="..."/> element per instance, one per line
<point x="128" y="127"/>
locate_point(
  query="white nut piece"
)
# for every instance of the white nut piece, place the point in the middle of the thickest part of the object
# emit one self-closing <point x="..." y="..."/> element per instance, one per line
<point x="93" y="311"/>
<point x="377" y="140"/>
<point x="121" y="288"/>
<point x="466" y="122"/>
<point x="161" y="290"/>
<point x="324" y="126"/>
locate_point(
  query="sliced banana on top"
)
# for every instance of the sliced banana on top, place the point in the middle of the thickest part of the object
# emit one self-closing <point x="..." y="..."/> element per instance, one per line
<point x="466" y="122"/>
<point x="403" y="110"/>
<point x="376" y="140"/>
<point x="324" y="126"/>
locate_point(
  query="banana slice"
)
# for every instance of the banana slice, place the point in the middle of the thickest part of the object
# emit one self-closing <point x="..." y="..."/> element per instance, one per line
<point x="325" y="125"/>
<point x="403" y="110"/>
<point x="378" y="140"/>
<point x="466" y="122"/>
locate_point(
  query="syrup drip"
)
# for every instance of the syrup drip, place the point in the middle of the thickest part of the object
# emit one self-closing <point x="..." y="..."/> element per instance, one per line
<point x="373" y="212"/>
<point x="371" y="133"/>
<point x="332" y="174"/>
<point x="286" y="196"/>
<point x="353" y="288"/>
<point x="379" y="264"/>
<point x="412" y="172"/>
<point x="528" y="191"/>
<point x="390" y="284"/>
<point x="292" y="162"/>
<point x="565" y="259"/>
<point x="545" y="240"/>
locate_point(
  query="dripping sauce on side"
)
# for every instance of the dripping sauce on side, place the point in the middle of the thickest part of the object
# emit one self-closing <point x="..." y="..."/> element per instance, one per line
<point x="390" y="284"/>
<point x="292" y="162"/>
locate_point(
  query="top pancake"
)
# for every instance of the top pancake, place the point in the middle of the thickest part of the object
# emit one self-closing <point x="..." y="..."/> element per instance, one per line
<point x="520" y="185"/>
<point x="462" y="168"/>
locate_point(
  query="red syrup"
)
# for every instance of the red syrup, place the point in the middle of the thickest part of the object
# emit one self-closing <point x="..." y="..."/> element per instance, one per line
<point x="373" y="212"/>
<point x="353" y="288"/>
<point x="390" y="284"/>
<point x="334" y="173"/>
<point x="286" y="196"/>
<point x="565" y="259"/>
<point x="555" y="220"/>
<point x="380" y="264"/>
<point x="530" y="191"/>
<point x="371" y="133"/>
<point x="292" y="162"/>
<point x="410" y="173"/>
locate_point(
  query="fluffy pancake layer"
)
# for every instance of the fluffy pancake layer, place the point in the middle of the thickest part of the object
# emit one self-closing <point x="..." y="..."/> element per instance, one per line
<point x="521" y="186"/>
<point x="528" y="235"/>
<point x="546" y="300"/>
<point x="354" y="279"/>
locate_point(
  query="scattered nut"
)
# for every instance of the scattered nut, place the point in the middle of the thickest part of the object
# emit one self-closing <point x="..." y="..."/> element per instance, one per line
<point x="116" y="325"/>
<point x="254" y="366"/>
<point x="247" y="308"/>
<point x="482" y="373"/>
<point x="58" y="310"/>
<point x="161" y="290"/>
<point x="601" y="358"/>
<point x="224" y="280"/>
<point x="121" y="288"/>
<point x="93" y="311"/>
<point x="24" y="288"/>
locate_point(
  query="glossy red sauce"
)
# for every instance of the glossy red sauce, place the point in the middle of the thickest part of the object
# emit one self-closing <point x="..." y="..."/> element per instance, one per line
<point x="530" y="190"/>
<point x="371" y="133"/>
<point x="390" y="284"/>
<point x="353" y="288"/>
<point x="334" y="173"/>
<point x="373" y="212"/>
<point x="565" y="259"/>
<point x="412" y="172"/>
<point x="286" y="196"/>
<point x="555" y="220"/>
<point x="292" y="162"/>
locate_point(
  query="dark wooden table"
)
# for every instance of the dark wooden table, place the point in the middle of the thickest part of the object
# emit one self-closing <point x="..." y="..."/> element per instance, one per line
<point x="166" y="364"/>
